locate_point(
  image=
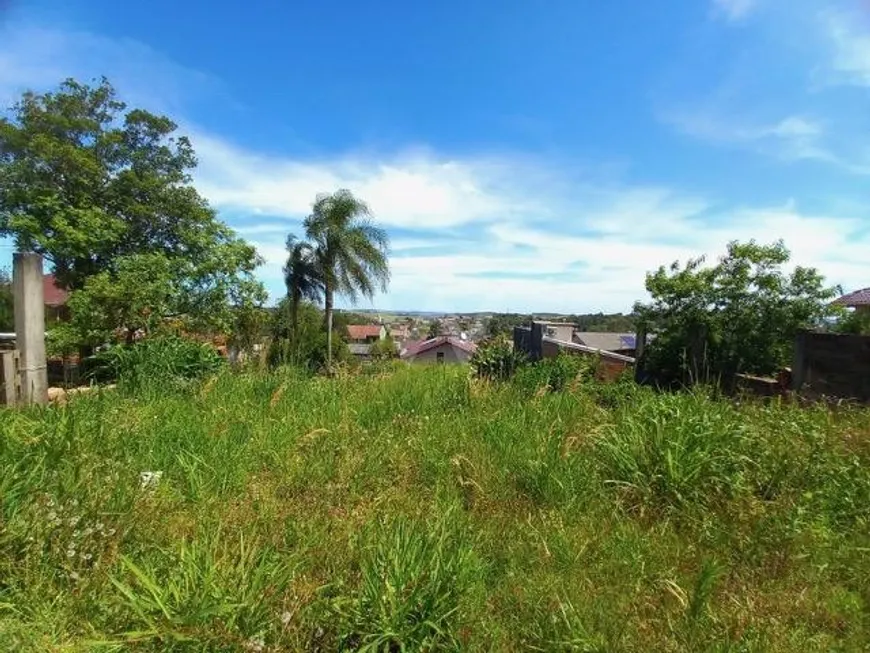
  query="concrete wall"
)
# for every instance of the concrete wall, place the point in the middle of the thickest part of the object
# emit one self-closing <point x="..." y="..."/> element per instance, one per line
<point x="451" y="354"/>
<point x="563" y="332"/>
<point x="833" y="365"/>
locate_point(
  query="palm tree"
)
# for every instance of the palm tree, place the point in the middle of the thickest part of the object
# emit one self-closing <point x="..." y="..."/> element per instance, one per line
<point x="302" y="277"/>
<point x="351" y="251"/>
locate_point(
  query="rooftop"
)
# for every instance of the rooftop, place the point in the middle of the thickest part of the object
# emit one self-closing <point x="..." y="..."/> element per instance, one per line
<point x="857" y="298"/>
<point x="363" y="331"/>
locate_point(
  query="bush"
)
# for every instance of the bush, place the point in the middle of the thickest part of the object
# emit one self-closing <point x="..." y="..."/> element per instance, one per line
<point x="164" y="361"/>
<point x="497" y="359"/>
<point x="554" y="374"/>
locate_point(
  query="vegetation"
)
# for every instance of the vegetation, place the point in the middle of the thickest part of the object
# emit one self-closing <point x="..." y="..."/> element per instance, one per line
<point x="166" y="362"/>
<point x="302" y="278"/>
<point x="306" y="348"/>
<point x="496" y="359"/>
<point x="435" y="329"/>
<point x="419" y="510"/>
<point x="347" y="253"/>
<point x="384" y="349"/>
<point x="7" y="317"/>
<point x="105" y="194"/>
<point x="740" y="315"/>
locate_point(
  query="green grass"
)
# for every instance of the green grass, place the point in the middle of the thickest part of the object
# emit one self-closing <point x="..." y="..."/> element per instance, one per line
<point x="418" y="510"/>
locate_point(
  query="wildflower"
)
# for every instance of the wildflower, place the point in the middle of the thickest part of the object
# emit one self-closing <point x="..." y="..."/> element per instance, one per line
<point x="99" y="526"/>
<point x="76" y="533"/>
<point x="74" y="520"/>
<point x="255" y="644"/>
<point x="74" y="576"/>
<point x="86" y="556"/>
<point x="52" y="516"/>
<point x="286" y="617"/>
<point x="70" y="553"/>
<point x="88" y="532"/>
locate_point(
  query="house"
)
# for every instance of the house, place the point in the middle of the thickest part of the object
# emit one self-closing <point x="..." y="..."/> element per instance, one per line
<point x="399" y="332"/>
<point x="443" y="349"/>
<point x="55" y="298"/>
<point x="365" y="334"/>
<point x="859" y="300"/>
<point x="618" y="343"/>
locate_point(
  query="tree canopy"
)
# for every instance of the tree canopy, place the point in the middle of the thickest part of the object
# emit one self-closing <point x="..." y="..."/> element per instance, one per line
<point x="348" y="252"/>
<point x="740" y="315"/>
<point x="105" y="194"/>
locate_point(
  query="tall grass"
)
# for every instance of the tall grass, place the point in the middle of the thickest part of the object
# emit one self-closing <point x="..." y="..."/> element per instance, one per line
<point x="418" y="509"/>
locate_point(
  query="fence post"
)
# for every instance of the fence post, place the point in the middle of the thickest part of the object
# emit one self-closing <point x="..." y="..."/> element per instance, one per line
<point x="29" y="311"/>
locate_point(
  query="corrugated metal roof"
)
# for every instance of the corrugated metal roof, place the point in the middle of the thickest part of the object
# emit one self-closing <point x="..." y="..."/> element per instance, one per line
<point x="857" y="298"/>
<point x="606" y="341"/>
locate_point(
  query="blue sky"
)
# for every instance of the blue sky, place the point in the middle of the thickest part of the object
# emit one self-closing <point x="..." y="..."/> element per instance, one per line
<point x="524" y="156"/>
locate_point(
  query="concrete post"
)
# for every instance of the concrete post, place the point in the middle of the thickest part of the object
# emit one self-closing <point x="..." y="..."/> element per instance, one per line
<point x="30" y="326"/>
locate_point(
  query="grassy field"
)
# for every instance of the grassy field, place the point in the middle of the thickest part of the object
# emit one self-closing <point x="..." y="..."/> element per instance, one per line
<point x="417" y="510"/>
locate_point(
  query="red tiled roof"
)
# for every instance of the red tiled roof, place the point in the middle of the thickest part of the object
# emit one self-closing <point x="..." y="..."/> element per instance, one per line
<point x="53" y="294"/>
<point x="857" y="298"/>
<point x="363" y="331"/>
<point x="415" y="348"/>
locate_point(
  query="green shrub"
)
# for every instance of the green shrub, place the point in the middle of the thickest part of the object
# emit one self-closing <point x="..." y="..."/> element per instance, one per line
<point x="413" y="575"/>
<point x="554" y="374"/>
<point x="497" y="359"/>
<point x="674" y="449"/>
<point x="158" y="362"/>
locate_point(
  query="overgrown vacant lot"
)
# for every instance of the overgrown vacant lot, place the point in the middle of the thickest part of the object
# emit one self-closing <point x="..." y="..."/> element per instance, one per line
<point x="418" y="509"/>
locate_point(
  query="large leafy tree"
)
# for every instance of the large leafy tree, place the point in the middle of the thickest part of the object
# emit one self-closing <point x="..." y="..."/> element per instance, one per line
<point x="740" y="315"/>
<point x="350" y="250"/>
<point x="302" y="277"/>
<point x="90" y="184"/>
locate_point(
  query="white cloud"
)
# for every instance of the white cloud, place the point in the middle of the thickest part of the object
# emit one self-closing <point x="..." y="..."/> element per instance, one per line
<point x="734" y="10"/>
<point x="408" y="189"/>
<point x="793" y="138"/>
<point x="849" y="38"/>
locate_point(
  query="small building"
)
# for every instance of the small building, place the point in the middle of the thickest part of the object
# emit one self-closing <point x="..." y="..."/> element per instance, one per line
<point x="859" y="300"/>
<point x="365" y="334"/>
<point x="443" y="349"/>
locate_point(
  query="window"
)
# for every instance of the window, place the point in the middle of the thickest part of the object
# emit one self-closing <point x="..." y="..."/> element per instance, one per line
<point x="439" y="356"/>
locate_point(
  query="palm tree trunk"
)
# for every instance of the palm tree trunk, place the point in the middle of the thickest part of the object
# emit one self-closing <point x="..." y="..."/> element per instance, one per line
<point x="328" y="310"/>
